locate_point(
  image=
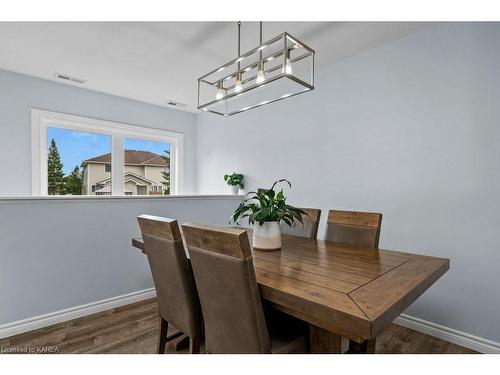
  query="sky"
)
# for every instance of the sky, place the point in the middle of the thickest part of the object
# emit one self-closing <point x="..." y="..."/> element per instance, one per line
<point x="75" y="147"/>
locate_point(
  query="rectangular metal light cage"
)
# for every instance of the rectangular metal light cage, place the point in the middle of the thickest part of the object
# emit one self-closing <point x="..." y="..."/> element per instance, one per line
<point x="288" y="66"/>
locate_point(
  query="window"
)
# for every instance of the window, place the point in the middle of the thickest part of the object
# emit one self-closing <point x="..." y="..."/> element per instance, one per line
<point x="146" y="167"/>
<point x="75" y="162"/>
<point x="158" y="190"/>
<point x="81" y="156"/>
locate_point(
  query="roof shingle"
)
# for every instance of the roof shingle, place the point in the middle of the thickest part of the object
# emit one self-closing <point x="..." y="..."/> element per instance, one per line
<point x="134" y="157"/>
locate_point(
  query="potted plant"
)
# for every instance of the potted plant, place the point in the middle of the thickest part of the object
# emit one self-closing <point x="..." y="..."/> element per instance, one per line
<point x="235" y="181"/>
<point x="265" y="210"/>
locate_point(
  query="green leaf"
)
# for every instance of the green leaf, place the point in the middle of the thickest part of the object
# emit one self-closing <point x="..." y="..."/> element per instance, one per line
<point x="234" y="179"/>
<point x="266" y="206"/>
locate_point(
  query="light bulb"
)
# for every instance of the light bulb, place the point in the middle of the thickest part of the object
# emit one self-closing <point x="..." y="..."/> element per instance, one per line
<point x="260" y="74"/>
<point x="238" y="86"/>
<point x="287" y="68"/>
<point x="220" y="91"/>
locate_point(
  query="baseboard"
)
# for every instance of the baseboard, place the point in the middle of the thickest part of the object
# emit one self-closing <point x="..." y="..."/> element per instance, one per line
<point x="41" y="321"/>
<point x="476" y="343"/>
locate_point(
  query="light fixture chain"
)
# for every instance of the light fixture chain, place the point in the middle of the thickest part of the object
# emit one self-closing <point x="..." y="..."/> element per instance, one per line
<point x="237" y="85"/>
<point x="260" y="38"/>
<point x="239" y="42"/>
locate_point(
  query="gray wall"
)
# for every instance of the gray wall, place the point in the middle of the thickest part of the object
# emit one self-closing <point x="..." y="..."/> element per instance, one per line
<point x="20" y="93"/>
<point x="410" y="129"/>
<point x="61" y="253"/>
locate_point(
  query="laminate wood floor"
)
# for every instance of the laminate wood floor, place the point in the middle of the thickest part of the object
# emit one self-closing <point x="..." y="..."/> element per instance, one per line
<point x="133" y="329"/>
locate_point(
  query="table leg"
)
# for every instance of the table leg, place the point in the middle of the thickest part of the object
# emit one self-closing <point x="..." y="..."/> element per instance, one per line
<point x="322" y="341"/>
<point x="366" y="347"/>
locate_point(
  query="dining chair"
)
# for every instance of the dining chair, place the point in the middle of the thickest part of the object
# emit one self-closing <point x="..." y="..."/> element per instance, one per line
<point x="307" y="229"/>
<point x="178" y="301"/>
<point x="359" y="229"/>
<point x="354" y="228"/>
<point x="232" y="309"/>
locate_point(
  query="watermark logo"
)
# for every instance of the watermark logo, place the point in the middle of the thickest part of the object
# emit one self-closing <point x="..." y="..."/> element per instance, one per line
<point x="29" y="349"/>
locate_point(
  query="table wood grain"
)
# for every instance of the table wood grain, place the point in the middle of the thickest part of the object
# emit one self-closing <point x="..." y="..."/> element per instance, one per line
<point x="346" y="290"/>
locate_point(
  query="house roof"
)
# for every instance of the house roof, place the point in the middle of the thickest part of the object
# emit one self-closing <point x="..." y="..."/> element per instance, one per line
<point x="133" y="157"/>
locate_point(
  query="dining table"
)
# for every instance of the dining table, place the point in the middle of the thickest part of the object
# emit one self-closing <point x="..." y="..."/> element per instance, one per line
<point x="341" y="290"/>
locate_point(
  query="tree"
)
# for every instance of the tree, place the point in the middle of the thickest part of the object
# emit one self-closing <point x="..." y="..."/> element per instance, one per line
<point x="166" y="174"/>
<point x="73" y="182"/>
<point x="55" y="174"/>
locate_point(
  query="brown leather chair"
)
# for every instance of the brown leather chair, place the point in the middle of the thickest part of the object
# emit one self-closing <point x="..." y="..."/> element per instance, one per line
<point x="232" y="308"/>
<point x="354" y="228"/>
<point x="309" y="229"/>
<point x="358" y="229"/>
<point x="178" y="301"/>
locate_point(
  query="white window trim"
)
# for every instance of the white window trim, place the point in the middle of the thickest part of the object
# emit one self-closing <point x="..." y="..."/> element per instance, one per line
<point x="41" y="120"/>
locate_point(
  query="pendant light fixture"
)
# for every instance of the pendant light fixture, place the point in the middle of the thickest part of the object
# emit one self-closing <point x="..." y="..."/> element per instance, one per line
<point x="280" y="68"/>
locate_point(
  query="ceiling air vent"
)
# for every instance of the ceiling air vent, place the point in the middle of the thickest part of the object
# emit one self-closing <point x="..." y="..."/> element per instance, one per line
<point x="69" y="78"/>
<point x="176" y="104"/>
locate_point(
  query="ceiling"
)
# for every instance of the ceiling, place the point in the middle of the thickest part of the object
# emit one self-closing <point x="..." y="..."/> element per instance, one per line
<point x="157" y="62"/>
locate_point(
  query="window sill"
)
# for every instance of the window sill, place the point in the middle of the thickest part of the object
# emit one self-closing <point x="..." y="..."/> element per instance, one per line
<point x="55" y="198"/>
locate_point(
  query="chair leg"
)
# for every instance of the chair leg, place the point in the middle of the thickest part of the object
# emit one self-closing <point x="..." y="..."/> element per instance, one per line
<point x="194" y="345"/>
<point x="162" y="336"/>
<point x="366" y="347"/>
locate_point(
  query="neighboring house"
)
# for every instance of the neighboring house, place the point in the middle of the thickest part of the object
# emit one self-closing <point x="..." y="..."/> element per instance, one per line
<point x="142" y="174"/>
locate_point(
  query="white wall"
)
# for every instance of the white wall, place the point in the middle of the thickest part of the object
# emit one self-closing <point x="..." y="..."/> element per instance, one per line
<point x="20" y="93"/>
<point x="61" y="253"/>
<point x="410" y="129"/>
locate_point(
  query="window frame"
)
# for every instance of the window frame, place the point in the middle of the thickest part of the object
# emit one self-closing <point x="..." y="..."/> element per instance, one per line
<point x="41" y="120"/>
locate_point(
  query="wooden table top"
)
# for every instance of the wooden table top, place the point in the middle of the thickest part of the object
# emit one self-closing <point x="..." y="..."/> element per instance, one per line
<point x="350" y="291"/>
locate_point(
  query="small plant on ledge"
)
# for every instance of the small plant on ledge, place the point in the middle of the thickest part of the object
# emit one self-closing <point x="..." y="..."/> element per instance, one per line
<point x="265" y="209"/>
<point x="235" y="182"/>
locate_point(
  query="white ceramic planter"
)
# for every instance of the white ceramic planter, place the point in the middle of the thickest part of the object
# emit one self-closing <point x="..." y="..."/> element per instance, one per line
<point x="235" y="189"/>
<point x="267" y="237"/>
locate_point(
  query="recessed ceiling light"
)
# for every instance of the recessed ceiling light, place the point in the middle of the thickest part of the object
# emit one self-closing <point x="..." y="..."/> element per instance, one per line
<point x="176" y="104"/>
<point x="66" y="77"/>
